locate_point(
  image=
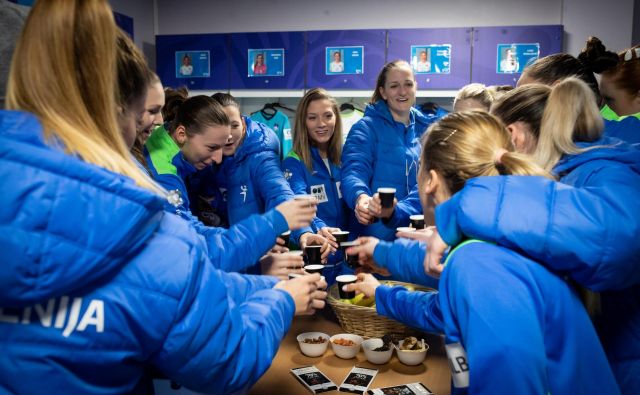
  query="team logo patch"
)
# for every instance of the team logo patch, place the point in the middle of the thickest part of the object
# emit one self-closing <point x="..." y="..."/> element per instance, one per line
<point x="319" y="192"/>
<point x="287" y="174"/>
<point x="243" y="192"/>
<point x="223" y="192"/>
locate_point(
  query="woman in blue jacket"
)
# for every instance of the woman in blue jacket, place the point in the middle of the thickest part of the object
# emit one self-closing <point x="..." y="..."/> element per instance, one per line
<point x="382" y="150"/>
<point x="313" y="166"/>
<point x="250" y="175"/>
<point x="586" y="225"/>
<point x="511" y="325"/>
<point x="99" y="283"/>
<point x="195" y="140"/>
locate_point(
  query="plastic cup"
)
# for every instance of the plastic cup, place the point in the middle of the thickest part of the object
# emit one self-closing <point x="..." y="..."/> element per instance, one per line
<point x="286" y="236"/>
<point x="314" y="256"/>
<point x="341" y="236"/>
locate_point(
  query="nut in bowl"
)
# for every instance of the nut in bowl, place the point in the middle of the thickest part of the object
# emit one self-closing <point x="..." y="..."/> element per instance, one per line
<point x="345" y="345"/>
<point x="313" y="344"/>
<point x="412" y="355"/>
<point x="376" y="351"/>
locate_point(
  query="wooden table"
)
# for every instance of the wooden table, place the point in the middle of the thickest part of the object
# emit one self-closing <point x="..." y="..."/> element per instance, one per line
<point x="433" y="372"/>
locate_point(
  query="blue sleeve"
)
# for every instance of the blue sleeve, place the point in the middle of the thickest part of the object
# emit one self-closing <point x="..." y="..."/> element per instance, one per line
<point x="242" y="286"/>
<point x="405" y="208"/>
<point x="589" y="232"/>
<point x="295" y="171"/>
<point x="413" y="308"/>
<point x="234" y="341"/>
<point x="243" y="244"/>
<point x="404" y="259"/>
<point x="357" y="163"/>
<point x="172" y="182"/>
<point x="272" y="186"/>
<point x="502" y="327"/>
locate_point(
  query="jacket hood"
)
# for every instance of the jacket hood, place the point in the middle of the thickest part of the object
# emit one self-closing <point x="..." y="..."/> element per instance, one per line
<point x="606" y="148"/>
<point x="259" y="138"/>
<point x="67" y="225"/>
<point x="381" y="111"/>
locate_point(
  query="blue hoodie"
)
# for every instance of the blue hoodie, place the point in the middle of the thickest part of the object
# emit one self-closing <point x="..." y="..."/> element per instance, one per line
<point x="99" y="284"/>
<point x="251" y="179"/>
<point x="234" y="249"/>
<point x="587" y="226"/>
<point x="381" y="152"/>
<point x="511" y="326"/>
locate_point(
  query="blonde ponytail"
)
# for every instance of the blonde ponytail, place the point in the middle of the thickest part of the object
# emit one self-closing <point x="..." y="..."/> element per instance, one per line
<point x="64" y="72"/>
<point x="471" y="144"/>
<point x="571" y="115"/>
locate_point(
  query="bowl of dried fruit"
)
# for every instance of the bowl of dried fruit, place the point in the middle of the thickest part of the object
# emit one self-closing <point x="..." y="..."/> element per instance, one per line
<point x="412" y="351"/>
<point x="378" y="351"/>
<point x="345" y="345"/>
<point x="313" y="344"/>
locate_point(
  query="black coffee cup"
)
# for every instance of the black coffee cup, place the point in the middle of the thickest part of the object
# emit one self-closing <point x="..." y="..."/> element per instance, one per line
<point x="314" y="269"/>
<point x="341" y="236"/>
<point x="313" y="254"/>
<point x="386" y="196"/>
<point x="344" y="280"/>
<point x="417" y="221"/>
<point x="350" y="260"/>
<point x="285" y="236"/>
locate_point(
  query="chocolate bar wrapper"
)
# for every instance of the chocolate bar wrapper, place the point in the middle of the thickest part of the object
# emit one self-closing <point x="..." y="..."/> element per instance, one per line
<point x="312" y="378"/>
<point x="405" y="389"/>
<point x="358" y="380"/>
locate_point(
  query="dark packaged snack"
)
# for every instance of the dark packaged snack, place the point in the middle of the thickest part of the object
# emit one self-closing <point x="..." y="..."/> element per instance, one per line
<point x="313" y="379"/>
<point x="358" y="380"/>
<point x="405" y="389"/>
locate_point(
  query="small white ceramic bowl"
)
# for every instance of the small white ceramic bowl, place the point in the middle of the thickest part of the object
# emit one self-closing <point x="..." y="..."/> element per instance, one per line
<point x="346" y="352"/>
<point x="313" y="349"/>
<point x="376" y="357"/>
<point x="409" y="357"/>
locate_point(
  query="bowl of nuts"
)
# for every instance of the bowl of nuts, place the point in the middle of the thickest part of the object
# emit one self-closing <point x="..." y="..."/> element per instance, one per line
<point x="412" y="351"/>
<point x="346" y="345"/>
<point x="313" y="344"/>
<point x="378" y="351"/>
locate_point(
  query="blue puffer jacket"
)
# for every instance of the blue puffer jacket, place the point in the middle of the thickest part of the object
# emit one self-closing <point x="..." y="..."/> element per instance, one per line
<point x="587" y="225"/>
<point x="626" y="129"/>
<point x="404" y="258"/>
<point x="234" y="249"/>
<point x="99" y="284"/>
<point x="511" y="326"/>
<point x="380" y="152"/>
<point x="251" y="179"/>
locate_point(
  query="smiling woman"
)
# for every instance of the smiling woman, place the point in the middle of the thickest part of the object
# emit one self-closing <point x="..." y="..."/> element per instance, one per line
<point x="382" y="150"/>
<point x="193" y="141"/>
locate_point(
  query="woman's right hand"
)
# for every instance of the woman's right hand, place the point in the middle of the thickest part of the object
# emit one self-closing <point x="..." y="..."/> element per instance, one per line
<point x="305" y="293"/>
<point x="362" y="210"/>
<point x="366" y="284"/>
<point x="298" y="213"/>
<point x="365" y="249"/>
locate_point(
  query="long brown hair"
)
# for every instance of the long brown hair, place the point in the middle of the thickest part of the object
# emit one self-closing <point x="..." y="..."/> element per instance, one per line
<point x="465" y="145"/>
<point x="194" y="112"/>
<point x="64" y="72"/>
<point x="301" y="142"/>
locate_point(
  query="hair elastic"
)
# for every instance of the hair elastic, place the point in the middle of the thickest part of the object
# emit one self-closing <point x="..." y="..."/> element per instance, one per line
<point x="497" y="156"/>
<point x="629" y="54"/>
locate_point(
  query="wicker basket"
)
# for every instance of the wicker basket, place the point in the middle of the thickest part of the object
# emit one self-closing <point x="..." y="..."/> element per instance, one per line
<point x="365" y="321"/>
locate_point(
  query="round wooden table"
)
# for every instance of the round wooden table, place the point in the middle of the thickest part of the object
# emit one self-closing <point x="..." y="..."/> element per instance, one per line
<point x="433" y="372"/>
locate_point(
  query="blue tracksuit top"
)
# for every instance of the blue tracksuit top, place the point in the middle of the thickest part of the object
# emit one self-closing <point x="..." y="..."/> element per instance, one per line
<point x="99" y="284"/>
<point x="587" y="226"/>
<point x="380" y="152"/>
<point x="511" y="326"/>
<point x="323" y="184"/>
<point x="251" y="179"/>
<point x="234" y="249"/>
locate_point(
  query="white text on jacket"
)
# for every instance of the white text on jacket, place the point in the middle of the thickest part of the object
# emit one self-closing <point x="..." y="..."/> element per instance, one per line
<point x="75" y="320"/>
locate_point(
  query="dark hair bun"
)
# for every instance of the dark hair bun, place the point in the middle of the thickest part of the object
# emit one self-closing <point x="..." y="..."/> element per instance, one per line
<point x="596" y="57"/>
